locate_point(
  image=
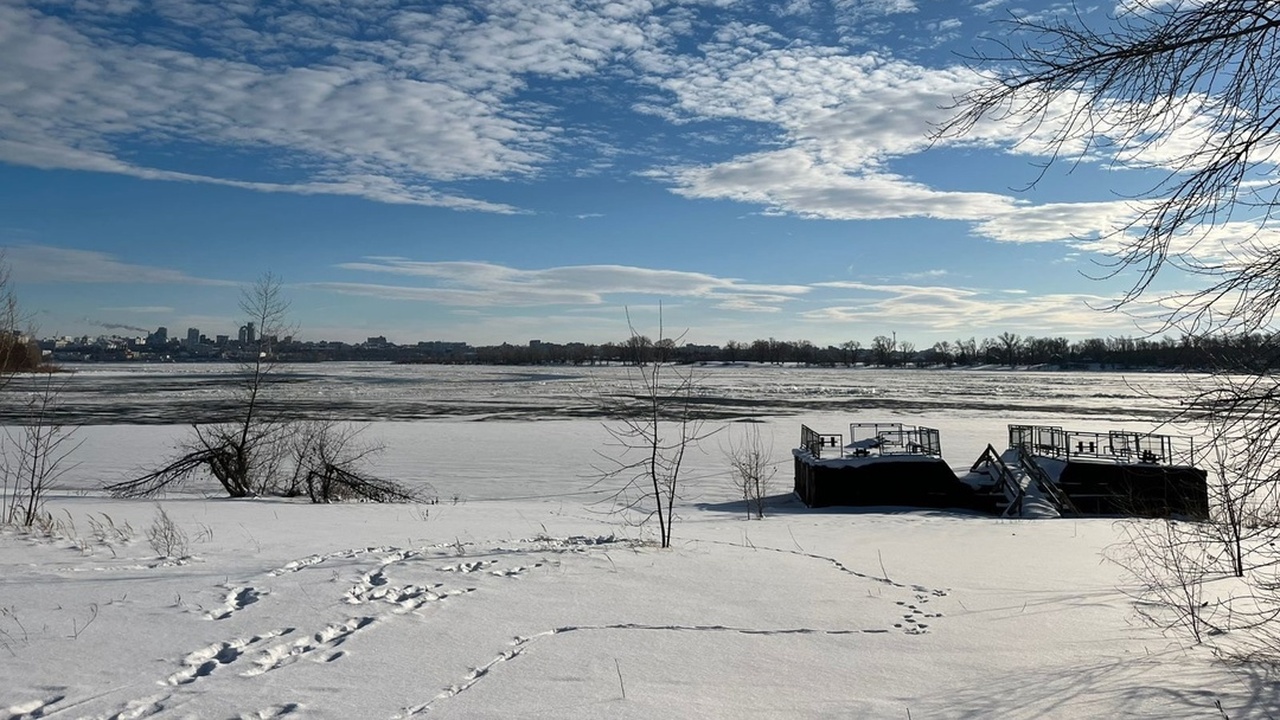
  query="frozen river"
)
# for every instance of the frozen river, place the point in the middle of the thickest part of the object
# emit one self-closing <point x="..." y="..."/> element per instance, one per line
<point x="468" y="430"/>
<point x="167" y="394"/>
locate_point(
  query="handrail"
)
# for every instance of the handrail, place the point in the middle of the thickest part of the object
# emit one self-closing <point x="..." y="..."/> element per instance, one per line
<point x="1059" y="498"/>
<point x="1006" y="477"/>
<point x="814" y="441"/>
<point x="1121" y="445"/>
<point x="894" y="438"/>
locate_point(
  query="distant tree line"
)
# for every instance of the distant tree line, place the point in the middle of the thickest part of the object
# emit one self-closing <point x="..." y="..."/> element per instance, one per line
<point x="1230" y="352"/>
<point x="1008" y="349"/>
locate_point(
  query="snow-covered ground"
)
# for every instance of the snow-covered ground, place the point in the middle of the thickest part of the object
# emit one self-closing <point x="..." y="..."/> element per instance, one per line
<point x="520" y="595"/>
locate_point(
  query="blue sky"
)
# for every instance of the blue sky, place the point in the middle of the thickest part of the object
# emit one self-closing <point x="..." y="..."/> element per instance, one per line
<point x="509" y="170"/>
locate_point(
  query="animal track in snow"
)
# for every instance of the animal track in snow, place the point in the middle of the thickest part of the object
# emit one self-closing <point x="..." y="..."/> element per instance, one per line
<point x="911" y="621"/>
<point x="521" y="643"/>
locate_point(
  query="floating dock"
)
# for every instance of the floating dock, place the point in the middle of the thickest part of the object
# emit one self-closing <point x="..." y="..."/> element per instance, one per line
<point x="1045" y="471"/>
<point x="881" y="464"/>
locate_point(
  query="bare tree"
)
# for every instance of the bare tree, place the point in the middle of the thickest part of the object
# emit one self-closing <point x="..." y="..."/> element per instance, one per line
<point x="851" y="347"/>
<point x="35" y="454"/>
<point x="751" y="465"/>
<point x="907" y="350"/>
<point x="1011" y="344"/>
<point x="639" y="349"/>
<point x="1189" y="90"/>
<point x="261" y="451"/>
<point x="654" y="425"/>
<point x="883" y="348"/>
<point x="732" y="350"/>
<point x="1136" y="85"/>
<point x="244" y="454"/>
<point x="1172" y="565"/>
<point x="1244" y="464"/>
<point x="328" y="459"/>
<point x="944" y="352"/>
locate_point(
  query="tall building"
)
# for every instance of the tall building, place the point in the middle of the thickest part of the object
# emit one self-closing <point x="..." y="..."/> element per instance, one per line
<point x="193" y="338"/>
<point x="248" y="334"/>
<point x="159" y="337"/>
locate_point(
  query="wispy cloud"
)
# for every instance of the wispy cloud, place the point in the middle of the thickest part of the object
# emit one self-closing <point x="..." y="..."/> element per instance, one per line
<point x="926" y="274"/>
<point x="44" y="264"/>
<point x="480" y="284"/>
<point x="939" y="310"/>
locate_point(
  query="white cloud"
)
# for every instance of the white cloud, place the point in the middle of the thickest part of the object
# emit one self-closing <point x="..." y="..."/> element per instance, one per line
<point x="515" y="297"/>
<point x="43" y="264"/>
<point x="842" y="120"/>
<point x="402" y="104"/>
<point x="390" y="118"/>
<point x="1226" y="246"/>
<point x="924" y="274"/>
<point x="944" y="310"/>
<point x="488" y="285"/>
<point x="851" y="12"/>
<point x="1080" y="221"/>
<point x="794" y="181"/>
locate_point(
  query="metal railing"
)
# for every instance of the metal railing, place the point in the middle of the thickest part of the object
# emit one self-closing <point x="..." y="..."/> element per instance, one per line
<point x="1060" y="499"/>
<point x="1120" y="445"/>
<point x="867" y="439"/>
<point x="1004" y="476"/>
<point x="814" y="442"/>
<point x="893" y="439"/>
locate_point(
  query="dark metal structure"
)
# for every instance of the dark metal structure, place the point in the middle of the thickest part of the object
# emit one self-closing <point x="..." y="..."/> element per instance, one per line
<point x="1114" y="473"/>
<point x="883" y="464"/>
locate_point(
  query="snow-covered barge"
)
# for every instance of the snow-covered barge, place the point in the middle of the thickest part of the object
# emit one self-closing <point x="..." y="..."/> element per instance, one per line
<point x="882" y="464"/>
<point x="1045" y="471"/>
<point x="1050" y="470"/>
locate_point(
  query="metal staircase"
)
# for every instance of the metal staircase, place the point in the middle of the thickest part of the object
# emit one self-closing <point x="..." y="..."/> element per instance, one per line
<point x="1025" y="487"/>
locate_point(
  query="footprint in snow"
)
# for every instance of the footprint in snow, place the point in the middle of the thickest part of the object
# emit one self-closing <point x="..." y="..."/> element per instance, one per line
<point x="205" y="661"/>
<point x="237" y="599"/>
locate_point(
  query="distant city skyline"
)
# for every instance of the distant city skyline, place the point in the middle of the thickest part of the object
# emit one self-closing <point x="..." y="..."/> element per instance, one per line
<point x="485" y="172"/>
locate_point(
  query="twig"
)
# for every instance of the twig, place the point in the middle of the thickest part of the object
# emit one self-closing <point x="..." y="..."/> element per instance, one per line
<point x="618" y="667"/>
<point x="75" y="625"/>
<point x="794" y="540"/>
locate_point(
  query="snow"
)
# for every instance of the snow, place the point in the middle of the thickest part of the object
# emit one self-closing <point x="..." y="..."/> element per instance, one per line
<point x="519" y="594"/>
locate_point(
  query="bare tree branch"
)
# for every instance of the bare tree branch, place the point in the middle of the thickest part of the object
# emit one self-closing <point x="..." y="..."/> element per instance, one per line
<point x="1205" y="73"/>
